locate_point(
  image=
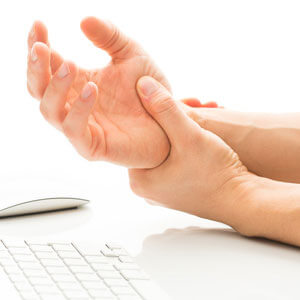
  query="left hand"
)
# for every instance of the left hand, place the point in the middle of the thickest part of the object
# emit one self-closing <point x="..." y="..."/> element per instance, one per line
<point x="202" y="175"/>
<point x="107" y="120"/>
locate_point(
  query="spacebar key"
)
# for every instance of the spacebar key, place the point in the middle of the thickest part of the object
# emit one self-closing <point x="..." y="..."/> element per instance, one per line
<point x="148" y="290"/>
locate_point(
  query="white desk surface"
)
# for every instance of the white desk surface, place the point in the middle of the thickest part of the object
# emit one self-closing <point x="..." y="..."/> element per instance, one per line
<point x="189" y="257"/>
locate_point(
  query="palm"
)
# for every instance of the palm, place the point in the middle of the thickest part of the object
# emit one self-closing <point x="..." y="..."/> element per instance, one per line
<point x="120" y="115"/>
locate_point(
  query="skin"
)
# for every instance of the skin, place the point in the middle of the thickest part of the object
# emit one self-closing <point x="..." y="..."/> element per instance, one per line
<point x="268" y="144"/>
<point x="115" y="126"/>
<point x="205" y="177"/>
<point x="199" y="168"/>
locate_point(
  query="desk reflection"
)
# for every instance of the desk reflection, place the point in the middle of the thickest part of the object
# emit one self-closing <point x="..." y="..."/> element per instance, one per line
<point x="220" y="264"/>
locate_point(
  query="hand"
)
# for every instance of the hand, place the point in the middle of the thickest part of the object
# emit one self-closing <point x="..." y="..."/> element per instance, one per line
<point x="106" y="121"/>
<point x="202" y="175"/>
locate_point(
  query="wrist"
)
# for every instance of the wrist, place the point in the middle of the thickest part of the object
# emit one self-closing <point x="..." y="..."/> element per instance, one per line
<point x="266" y="208"/>
<point x="237" y="194"/>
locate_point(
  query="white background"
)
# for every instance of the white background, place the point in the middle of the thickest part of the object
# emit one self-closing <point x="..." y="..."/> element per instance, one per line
<point x="243" y="54"/>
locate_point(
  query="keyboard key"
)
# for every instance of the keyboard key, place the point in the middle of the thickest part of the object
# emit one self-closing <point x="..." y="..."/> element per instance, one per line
<point x="87" y="277"/>
<point x="58" y="270"/>
<point x="113" y="246"/>
<point x="116" y="282"/>
<point x="41" y="248"/>
<point x="103" y="267"/>
<point x="107" y="252"/>
<point x="25" y="258"/>
<point x="30" y="265"/>
<point x="125" y="259"/>
<point x="53" y="297"/>
<point x="130" y="297"/>
<point x="75" y="262"/>
<point x="2" y="247"/>
<point x="52" y="262"/>
<point x="119" y="290"/>
<point x="127" y="266"/>
<point x="48" y="255"/>
<point x="101" y="293"/>
<point x="12" y="270"/>
<point x="29" y="295"/>
<point x="97" y="259"/>
<point x="69" y="254"/>
<point x="134" y="274"/>
<point x="82" y="269"/>
<point x="63" y="247"/>
<point x="77" y="295"/>
<point x="70" y="285"/>
<point x="17" y="278"/>
<point x="14" y="243"/>
<point x="109" y="274"/>
<point x="7" y="261"/>
<point x="35" y="273"/>
<point x="87" y="249"/>
<point x="4" y="254"/>
<point x="63" y="277"/>
<point x="36" y="242"/>
<point x="16" y="250"/>
<point x="23" y="286"/>
<point x="47" y="289"/>
<point x="94" y="285"/>
<point x="40" y="281"/>
<point x="120" y="252"/>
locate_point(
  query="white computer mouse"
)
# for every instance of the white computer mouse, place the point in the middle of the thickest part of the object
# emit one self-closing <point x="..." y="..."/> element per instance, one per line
<point x="34" y="195"/>
<point x="23" y="207"/>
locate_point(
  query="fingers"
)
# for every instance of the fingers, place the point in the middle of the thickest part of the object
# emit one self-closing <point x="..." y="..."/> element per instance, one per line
<point x="56" y="94"/>
<point x="194" y="102"/>
<point x="210" y="104"/>
<point x="39" y="33"/>
<point x="159" y="103"/>
<point x="75" y="125"/>
<point x="109" y="38"/>
<point x="38" y="70"/>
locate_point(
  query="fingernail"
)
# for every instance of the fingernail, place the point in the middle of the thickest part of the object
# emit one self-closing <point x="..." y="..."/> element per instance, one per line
<point x="63" y="70"/>
<point x="34" y="56"/>
<point x="147" y="86"/>
<point x="87" y="91"/>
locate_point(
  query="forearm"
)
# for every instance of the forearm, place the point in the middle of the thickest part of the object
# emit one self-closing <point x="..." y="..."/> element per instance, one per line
<point x="270" y="210"/>
<point x="268" y="144"/>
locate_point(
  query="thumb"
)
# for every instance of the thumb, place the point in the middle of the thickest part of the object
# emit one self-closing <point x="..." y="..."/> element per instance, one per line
<point x="109" y="38"/>
<point x="160" y="105"/>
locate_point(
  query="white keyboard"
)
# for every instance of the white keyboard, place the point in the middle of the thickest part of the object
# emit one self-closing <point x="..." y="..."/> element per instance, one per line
<point x="38" y="270"/>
